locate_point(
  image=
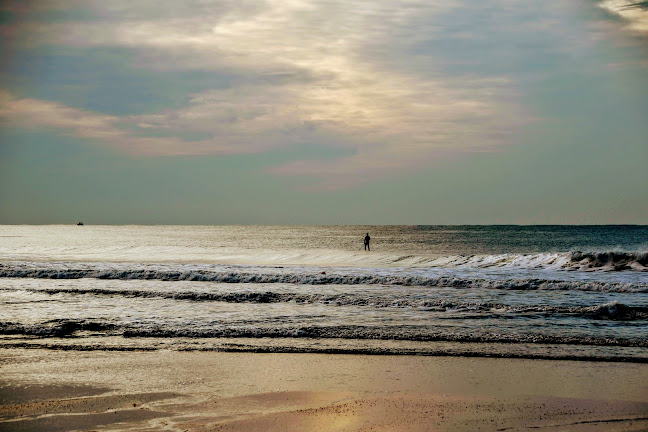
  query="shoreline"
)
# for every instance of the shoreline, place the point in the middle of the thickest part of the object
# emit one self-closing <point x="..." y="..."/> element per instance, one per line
<point x="331" y="351"/>
<point x="89" y="341"/>
<point x="200" y="391"/>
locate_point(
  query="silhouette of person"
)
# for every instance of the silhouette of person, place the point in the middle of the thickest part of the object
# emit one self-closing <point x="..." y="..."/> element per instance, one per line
<point x="366" y="242"/>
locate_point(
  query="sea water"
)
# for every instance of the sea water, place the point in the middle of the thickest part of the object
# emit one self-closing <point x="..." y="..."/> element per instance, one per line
<point x="571" y="292"/>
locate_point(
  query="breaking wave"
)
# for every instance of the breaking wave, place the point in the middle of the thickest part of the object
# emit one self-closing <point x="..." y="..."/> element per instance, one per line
<point x="611" y="311"/>
<point x="615" y="261"/>
<point x="609" y="260"/>
<point x="575" y="260"/>
<point x="69" y="328"/>
<point x="240" y="276"/>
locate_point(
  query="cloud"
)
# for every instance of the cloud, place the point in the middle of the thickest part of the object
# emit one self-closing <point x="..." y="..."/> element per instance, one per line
<point x="633" y="12"/>
<point x="117" y="131"/>
<point x="329" y="72"/>
<point x="229" y="128"/>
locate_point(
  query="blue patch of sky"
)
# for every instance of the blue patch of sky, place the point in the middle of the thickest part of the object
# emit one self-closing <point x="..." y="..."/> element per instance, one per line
<point x="517" y="42"/>
<point x="479" y="40"/>
<point x="105" y="80"/>
<point x="556" y="70"/>
<point x="117" y="81"/>
<point x="21" y="14"/>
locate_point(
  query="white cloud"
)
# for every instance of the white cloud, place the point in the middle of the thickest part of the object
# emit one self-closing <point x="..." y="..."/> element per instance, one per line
<point x="340" y="86"/>
<point x="117" y="131"/>
<point x="629" y="10"/>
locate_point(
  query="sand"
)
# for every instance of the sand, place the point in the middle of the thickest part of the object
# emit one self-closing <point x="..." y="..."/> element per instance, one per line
<point x="200" y="391"/>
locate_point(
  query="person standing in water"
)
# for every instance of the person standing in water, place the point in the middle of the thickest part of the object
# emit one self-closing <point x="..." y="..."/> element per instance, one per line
<point x="366" y="242"/>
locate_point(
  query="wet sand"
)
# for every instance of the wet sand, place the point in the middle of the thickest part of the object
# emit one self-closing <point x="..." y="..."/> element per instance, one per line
<point x="201" y="391"/>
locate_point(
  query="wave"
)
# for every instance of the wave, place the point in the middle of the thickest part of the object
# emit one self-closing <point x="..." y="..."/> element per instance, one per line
<point x="520" y="351"/>
<point x="611" y="311"/>
<point x="72" y="328"/>
<point x="604" y="260"/>
<point x="575" y="260"/>
<point x="615" y="261"/>
<point x="240" y="276"/>
<point x="333" y="346"/>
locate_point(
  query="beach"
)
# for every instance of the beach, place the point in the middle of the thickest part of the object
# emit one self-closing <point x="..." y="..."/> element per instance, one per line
<point x="201" y="391"/>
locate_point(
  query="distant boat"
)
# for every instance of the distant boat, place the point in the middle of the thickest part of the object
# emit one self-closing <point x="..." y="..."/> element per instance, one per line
<point x="79" y="223"/>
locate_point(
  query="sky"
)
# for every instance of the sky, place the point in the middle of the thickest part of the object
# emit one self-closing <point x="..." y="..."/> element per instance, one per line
<point x="324" y="112"/>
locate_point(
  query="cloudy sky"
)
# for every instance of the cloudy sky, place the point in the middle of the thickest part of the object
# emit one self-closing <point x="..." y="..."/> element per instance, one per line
<point x="324" y="112"/>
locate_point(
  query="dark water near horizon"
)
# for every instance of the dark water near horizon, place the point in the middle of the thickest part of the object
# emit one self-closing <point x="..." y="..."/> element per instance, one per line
<point x="576" y="292"/>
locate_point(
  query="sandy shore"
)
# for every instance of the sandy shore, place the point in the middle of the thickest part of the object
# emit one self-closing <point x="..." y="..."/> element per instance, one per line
<point x="196" y="391"/>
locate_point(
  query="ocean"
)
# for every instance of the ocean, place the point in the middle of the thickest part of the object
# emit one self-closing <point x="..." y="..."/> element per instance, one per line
<point x="555" y="292"/>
